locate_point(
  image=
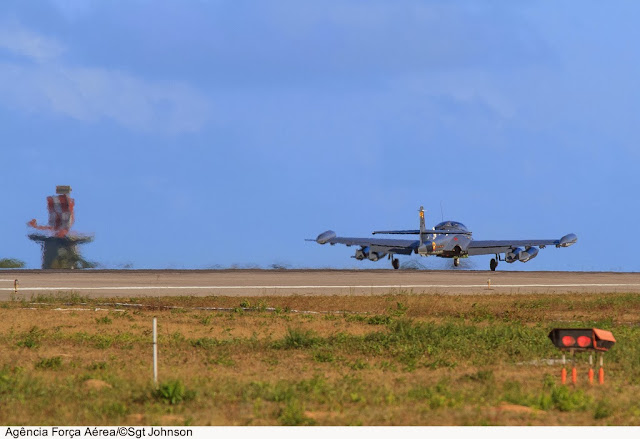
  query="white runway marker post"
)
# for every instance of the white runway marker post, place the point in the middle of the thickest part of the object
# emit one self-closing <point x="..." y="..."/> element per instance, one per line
<point x="155" y="352"/>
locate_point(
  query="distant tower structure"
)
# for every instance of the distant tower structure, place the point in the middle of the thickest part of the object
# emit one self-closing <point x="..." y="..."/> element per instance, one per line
<point x="59" y="246"/>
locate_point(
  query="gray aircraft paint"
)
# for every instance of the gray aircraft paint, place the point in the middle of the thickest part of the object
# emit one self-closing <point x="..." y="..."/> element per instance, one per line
<point x="448" y="239"/>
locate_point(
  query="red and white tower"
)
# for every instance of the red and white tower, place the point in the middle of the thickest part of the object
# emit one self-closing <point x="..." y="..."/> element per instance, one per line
<point x="59" y="245"/>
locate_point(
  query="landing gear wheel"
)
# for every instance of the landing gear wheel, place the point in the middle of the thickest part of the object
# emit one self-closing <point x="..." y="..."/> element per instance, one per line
<point x="395" y="263"/>
<point x="456" y="262"/>
<point x="493" y="264"/>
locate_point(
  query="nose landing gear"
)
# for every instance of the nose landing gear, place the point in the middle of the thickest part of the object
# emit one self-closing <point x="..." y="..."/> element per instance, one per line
<point x="395" y="263"/>
<point x="493" y="264"/>
<point x="456" y="262"/>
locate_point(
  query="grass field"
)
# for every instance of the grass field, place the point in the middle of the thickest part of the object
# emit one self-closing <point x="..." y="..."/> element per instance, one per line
<point x="399" y="359"/>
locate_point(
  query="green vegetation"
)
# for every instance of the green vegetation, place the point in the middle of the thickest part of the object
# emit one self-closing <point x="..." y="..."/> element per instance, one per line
<point x="104" y="320"/>
<point x="31" y="339"/>
<point x="173" y="392"/>
<point x="71" y="260"/>
<point x="53" y="363"/>
<point x="297" y="339"/>
<point x="64" y="297"/>
<point x="11" y="263"/>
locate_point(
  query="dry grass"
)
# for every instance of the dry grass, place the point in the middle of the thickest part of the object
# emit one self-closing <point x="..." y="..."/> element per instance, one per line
<point x="399" y="359"/>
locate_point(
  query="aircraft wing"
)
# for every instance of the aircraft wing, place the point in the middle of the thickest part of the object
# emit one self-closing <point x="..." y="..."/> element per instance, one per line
<point x="399" y="246"/>
<point x="417" y="232"/>
<point x="503" y="246"/>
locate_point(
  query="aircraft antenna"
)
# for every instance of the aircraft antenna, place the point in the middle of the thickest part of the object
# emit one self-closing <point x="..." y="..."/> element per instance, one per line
<point x="441" y="211"/>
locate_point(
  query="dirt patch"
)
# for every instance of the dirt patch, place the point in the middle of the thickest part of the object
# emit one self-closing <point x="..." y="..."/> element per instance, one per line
<point x="93" y="384"/>
<point x="514" y="408"/>
<point x="318" y="415"/>
<point x="135" y="418"/>
<point x="172" y="419"/>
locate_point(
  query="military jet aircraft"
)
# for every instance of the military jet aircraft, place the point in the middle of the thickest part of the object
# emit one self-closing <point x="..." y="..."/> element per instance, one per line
<point x="449" y="239"/>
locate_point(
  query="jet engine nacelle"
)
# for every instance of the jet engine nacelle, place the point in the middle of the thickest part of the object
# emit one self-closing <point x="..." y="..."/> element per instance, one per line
<point x="513" y="255"/>
<point x="325" y="237"/>
<point x="528" y="254"/>
<point x="373" y="256"/>
<point x="362" y="253"/>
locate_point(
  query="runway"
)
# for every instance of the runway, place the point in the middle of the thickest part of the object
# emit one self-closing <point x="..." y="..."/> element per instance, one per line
<point x="129" y="283"/>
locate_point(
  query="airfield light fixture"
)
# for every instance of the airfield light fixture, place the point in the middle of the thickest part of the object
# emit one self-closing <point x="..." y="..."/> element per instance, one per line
<point x="582" y="340"/>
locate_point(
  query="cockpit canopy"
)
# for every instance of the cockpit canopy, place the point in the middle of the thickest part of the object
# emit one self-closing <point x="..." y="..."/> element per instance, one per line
<point x="451" y="225"/>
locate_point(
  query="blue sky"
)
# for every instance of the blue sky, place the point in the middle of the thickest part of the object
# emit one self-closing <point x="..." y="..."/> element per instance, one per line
<point x="211" y="133"/>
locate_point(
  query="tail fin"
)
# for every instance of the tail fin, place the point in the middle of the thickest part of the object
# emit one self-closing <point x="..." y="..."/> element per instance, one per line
<point x="423" y="229"/>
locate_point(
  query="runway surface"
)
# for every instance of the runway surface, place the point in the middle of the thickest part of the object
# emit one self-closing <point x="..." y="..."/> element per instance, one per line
<point x="126" y="283"/>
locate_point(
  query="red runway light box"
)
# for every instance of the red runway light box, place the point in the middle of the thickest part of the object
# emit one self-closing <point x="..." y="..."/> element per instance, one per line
<point x="582" y="339"/>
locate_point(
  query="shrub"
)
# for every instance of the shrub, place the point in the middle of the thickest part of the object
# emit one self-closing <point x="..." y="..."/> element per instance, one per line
<point x="323" y="357"/>
<point x="297" y="338"/>
<point x="53" y="363"/>
<point x="11" y="263"/>
<point x="566" y="400"/>
<point x="293" y="414"/>
<point x="173" y="392"/>
<point x="603" y="410"/>
<point x="32" y="338"/>
<point x="204" y="343"/>
<point x="436" y="396"/>
<point x="379" y="320"/>
<point x="206" y="320"/>
<point x="359" y="365"/>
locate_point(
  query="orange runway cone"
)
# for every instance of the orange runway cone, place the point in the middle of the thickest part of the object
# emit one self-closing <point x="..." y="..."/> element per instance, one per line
<point x="574" y="374"/>
<point x="601" y="371"/>
<point x="563" y="376"/>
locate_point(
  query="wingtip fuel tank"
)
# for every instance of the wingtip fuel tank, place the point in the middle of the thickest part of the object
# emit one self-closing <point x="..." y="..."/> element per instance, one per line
<point x="325" y="237"/>
<point x="567" y="240"/>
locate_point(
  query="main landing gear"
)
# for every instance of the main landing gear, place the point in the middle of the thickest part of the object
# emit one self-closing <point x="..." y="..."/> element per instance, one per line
<point x="493" y="264"/>
<point x="456" y="262"/>
<point x="395" y="263"/>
